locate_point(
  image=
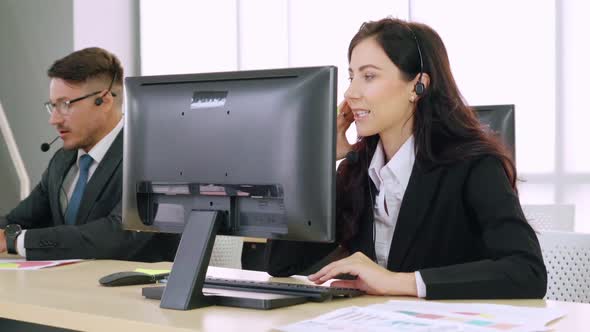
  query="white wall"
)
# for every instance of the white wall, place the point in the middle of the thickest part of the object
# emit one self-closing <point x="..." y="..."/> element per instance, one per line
<point x="184" y="36"/>
<point x="33" y="34"/>
<point x="112" y="25"/>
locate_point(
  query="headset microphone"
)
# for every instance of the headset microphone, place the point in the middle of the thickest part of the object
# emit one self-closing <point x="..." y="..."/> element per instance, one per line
<point x="45" y="146"/>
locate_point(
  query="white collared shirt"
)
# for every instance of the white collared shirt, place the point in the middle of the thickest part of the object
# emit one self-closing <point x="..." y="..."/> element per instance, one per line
<point x="97" y="153"/>
<point x="391" y="180"/>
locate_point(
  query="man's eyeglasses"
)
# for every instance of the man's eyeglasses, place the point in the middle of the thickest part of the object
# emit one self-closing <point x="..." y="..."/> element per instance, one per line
<point x="63" y="107"/>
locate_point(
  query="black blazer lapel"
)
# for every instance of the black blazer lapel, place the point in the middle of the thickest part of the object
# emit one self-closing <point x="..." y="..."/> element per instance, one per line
<point x="103" y="173"/>
<point x="415" y="205"/>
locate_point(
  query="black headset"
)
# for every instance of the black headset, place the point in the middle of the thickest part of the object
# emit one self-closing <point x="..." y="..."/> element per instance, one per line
<point x="98" y="101"/>
<point x="419" y="88"/>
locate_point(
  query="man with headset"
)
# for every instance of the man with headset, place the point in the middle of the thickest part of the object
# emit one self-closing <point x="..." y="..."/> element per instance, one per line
<point x="75" y="211"/>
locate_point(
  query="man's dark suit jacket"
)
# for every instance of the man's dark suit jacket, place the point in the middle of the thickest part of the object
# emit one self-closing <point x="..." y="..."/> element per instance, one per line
<point x="460" y="225"/>
<point x="98" y="232"/>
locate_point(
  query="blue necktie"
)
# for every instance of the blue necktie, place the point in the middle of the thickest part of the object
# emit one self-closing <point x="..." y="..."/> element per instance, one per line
<point x="74" y="205"/>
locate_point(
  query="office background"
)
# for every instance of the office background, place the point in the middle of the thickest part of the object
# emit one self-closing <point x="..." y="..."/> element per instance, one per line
<point x="531" y="53"/>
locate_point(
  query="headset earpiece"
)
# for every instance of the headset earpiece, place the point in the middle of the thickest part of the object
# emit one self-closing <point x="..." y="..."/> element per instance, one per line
<point x="419" y="88"/>
<point x="98" y="101"/>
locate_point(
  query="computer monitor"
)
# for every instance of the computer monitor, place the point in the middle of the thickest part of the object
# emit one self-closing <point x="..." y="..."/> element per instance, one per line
<point x="248" y="153"/>
<point x="499" y="119"/>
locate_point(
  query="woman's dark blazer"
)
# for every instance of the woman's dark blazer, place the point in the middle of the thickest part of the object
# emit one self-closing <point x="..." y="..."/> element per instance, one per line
<point x="460" y="225"/>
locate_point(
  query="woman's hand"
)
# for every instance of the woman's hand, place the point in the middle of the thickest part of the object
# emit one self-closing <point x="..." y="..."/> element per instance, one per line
<point x="343" y="121"/>
<point x="370" y="277"/>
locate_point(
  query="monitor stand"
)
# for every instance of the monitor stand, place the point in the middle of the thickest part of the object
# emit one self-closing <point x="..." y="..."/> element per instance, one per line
<point x="184" y="289"/>
<point x="233" y="298"/>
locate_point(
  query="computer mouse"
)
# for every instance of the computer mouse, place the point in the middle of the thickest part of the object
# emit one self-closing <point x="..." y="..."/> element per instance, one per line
<point x="129" y="278"/>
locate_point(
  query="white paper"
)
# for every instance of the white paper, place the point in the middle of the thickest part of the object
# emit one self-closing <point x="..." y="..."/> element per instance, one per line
<point x="431" y="316"/>
<point x="23" y="264"/>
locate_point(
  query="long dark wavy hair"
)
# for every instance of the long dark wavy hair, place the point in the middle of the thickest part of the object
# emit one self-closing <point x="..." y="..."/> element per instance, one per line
<point x="445" y="129"/>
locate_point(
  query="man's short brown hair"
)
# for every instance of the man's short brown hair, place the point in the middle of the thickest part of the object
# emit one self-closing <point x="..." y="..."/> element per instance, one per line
<point x="88" y="63"/>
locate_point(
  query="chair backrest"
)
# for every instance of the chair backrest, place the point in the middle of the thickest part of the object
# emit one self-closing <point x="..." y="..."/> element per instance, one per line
<point x="498" y="120"/>
<point x="227" y="251"/>
<point x="550" y="217"/>
<point x="567" y="259"/>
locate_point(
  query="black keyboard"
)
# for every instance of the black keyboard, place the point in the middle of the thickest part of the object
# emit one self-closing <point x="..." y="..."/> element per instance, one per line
<point x="312" y="292"/>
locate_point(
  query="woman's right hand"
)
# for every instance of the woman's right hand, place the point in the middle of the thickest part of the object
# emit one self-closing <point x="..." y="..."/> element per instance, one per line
<point x="344" y="119"/>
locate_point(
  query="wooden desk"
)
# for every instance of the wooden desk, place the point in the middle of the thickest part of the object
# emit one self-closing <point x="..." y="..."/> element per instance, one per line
<point x="254" y="240"/>
<point x="70" y="297"/>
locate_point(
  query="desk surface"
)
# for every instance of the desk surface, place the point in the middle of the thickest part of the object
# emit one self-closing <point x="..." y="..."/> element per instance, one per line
<point x="70" y="297"/>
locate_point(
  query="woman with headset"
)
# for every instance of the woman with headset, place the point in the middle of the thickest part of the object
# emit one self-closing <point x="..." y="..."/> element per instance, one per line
<point x="426" y="200"/>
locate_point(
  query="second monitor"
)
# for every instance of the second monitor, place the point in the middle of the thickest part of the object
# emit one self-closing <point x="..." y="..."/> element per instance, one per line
<point x="499" y="120"/>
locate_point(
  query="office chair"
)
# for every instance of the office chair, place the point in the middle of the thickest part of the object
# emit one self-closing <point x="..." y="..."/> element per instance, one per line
<point x="499" y="119"/>
<point x="227" y="252"/>
<point x="550" y="217"/>
<point x="567" y="258"/>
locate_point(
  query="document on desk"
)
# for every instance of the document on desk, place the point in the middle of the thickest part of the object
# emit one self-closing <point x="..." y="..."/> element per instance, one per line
<point x="23" y="264"/>
<point x="431" y="316"/>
